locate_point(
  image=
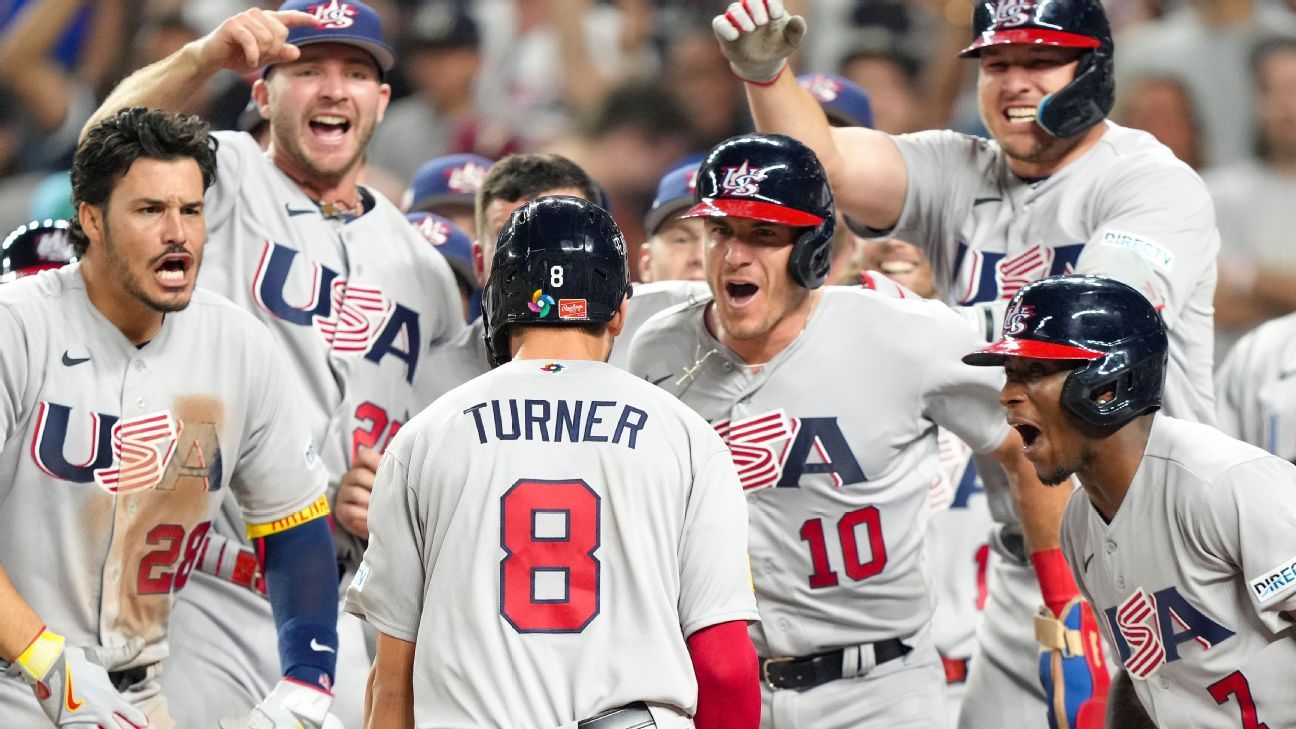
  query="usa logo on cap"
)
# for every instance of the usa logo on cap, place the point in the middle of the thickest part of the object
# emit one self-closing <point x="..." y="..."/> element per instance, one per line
<point x="1012" y="13"/>
<point x="334" y="15"/>
<point x="1015" y="321"/>
<point x="742" y="181"/>
<point x="466" y="178"/>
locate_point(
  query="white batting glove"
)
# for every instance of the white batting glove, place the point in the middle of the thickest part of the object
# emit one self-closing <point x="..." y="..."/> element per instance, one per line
<point x="291" y="705"/>
<point x="71" y="683"/>
<point x="757" y="37"/>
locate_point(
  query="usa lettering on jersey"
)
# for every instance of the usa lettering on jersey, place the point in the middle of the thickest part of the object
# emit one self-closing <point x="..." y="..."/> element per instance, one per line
<point x="142" y="448"/>
<point x="351" y="318"/>
<point x="753" y="442"/>
<point x="982" y="276"/>
<point x="1149" y="628"/>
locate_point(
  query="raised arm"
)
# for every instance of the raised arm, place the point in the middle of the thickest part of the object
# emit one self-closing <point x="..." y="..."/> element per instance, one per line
<point x="243" y="43"/>
<point x="867" y="173"/>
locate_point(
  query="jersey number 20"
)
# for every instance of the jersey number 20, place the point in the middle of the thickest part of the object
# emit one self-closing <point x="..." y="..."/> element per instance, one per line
<point x="549" y="577"/>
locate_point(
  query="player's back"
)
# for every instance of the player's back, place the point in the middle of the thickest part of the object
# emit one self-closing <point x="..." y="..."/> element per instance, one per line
<point x="555" y="505"/>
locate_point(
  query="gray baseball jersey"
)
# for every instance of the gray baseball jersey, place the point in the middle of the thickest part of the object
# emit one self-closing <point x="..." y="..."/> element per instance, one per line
<point x="116" y="457"/>
<point x="648" y="299"/>
<point x="561" y="524"/>
<point x="1194" y="579"/>
<point x="1257" y="388"/>
<point x="357" y="303"/>
<point x="836" y="466"/>
<point x="1126" y="209"/>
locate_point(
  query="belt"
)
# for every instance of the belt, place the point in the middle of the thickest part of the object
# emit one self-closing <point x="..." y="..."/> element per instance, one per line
<point x="233" y="562"/>
<point x="630" y="716"/>
<point x="956" y="669"/>
<point x="123" y="680"/>
<point x="805" y="672"/>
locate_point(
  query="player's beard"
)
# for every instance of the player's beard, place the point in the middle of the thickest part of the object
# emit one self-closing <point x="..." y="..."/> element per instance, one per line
<point x="1062" y="473"/>
<point x="1040" y="148"/>
<point x="119" y="270"/>
<point x="318" y="173"/>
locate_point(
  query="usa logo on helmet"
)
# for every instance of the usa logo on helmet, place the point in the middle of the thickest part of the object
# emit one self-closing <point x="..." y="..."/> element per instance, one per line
<point x="467" y="178"/>
<point x="334" y="15"/>
<point x="743" y="181"/>
<point x="1012" y="13"/>
<point x="1015" y="321"/>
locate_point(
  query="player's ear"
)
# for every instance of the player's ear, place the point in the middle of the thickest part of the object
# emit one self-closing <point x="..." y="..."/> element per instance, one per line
<point x="261" y="95"/>
<point x="91" y="219"/>
<point x="645" y="260"/>
<point x="617" y="322"/>
<point x="479" y="262"/>
<point x="384" y="98"/>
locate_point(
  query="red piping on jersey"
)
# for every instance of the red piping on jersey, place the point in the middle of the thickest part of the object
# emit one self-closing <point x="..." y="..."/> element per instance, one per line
<point x="721" y="207"/>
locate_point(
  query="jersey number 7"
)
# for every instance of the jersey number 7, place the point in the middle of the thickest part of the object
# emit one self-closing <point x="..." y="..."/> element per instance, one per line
<point x="549" y="577"/>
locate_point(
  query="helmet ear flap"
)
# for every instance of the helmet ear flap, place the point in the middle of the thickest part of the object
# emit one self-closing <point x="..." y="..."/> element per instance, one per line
<point x="812" y="255"/>
<point x="1086" y="101"/>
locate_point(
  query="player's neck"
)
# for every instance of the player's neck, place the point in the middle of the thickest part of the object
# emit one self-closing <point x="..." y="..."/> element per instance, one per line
<point x="565" y="343"/>
<point x="137" y="321"/>
<point x="1107" y="475"/>
<point x="759" y="351"/>
<point x="342" y="190"/>
<point x="1039" y="169"/>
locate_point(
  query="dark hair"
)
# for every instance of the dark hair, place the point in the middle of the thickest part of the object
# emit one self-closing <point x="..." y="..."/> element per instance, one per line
<point x="524" y="176"/>
<point x="108" y="150"/>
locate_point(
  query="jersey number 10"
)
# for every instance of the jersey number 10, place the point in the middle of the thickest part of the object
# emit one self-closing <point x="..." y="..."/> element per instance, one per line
<point x="549" y="577"/>
<point x="812" y="532"/>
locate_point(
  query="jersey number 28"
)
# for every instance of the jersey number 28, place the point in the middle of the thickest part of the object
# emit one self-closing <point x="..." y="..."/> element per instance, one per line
<point x="549" y="577"/>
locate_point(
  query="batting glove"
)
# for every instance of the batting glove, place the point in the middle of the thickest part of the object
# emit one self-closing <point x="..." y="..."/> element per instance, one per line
<point x="72" y="685"/>
<point x="1071" y="667"/>
<point x="757" y="37"/>
<point x="291" y="705"/>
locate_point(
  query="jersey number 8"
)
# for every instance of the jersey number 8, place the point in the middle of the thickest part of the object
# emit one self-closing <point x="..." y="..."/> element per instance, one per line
<point x="549" y="577"/>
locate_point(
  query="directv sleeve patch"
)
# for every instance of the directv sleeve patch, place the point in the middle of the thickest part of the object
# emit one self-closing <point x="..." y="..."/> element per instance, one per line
<point x="1275" y="582"/>
<point x="314" y="511"/>
<point x="1144" y="248"/>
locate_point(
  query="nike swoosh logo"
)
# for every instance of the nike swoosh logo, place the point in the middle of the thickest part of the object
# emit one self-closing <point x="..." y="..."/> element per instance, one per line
<point x="72" y="703"/>
<point x="659" y="380"/>
<point x="320" y="647"/>
<point x="983" y="200"/>
<point x="293" y="212"/>
<point x="69" y="361"/>
<point x="1087" y="561"/>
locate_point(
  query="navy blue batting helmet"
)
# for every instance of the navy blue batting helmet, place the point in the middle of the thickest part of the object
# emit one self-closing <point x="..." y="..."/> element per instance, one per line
<point x="1111" y="329"/>
<point x="560" y="260"/>
<point x="1082" y="24"/>
<point x="775" y="179"/>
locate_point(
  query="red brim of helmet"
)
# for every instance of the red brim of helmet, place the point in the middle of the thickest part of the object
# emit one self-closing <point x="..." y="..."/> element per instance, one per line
<point x="995" y="354"/>
<point x="1029" y="37"/>
<point x="725" y="207"/>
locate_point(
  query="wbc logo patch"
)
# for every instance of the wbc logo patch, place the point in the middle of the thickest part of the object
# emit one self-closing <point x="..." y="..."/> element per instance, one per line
<point x="743" y="181"/>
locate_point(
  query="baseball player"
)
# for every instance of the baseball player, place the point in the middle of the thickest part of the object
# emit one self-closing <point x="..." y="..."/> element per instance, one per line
<point x="1257" y="390"/>
<point x="1181" y="537"/>
<point x="837" y="480"/>
<point x="456" y="245"/>
<point x="448" y="186"/>
<point x="1057" y="189"/>
<point x="591" y="530"/>
<point x="131" y="406"/>
<point x="347" y="286"/>
<point x="37" y="246"/>
<point x="673" y="250"/>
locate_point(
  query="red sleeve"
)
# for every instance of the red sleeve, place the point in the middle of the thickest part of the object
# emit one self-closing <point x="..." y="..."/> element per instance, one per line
<point x="728" y="685"/>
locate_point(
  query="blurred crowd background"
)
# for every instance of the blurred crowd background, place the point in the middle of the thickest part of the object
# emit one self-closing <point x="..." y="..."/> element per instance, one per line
<point x="629" y="88"/>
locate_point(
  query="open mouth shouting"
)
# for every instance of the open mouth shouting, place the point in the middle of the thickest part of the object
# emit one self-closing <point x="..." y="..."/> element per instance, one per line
<point x="171" y="270"/>
<point x="1030" y="434"/>
<point x="740" y="293"/>
<point x="329" y="128"/>
<point x="1021" y="114"/>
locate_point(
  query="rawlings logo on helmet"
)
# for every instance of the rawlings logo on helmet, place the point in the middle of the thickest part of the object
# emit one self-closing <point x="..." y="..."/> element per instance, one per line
<point x="334" y="15"/>
<point x="1012" y="13"/>
<point x="1015" y="320"/>
<point x="742" y="181"/>
<point x="467" y="177"/>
